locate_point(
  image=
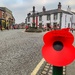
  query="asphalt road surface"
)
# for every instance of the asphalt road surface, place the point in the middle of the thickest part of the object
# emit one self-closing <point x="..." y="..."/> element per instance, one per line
<point x="20" y="51"/>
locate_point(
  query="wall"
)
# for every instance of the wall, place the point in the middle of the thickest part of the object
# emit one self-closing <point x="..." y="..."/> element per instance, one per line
<point x="0" y="14"/>
<point x="66" y="19"/>
<point x="52" y="19"/>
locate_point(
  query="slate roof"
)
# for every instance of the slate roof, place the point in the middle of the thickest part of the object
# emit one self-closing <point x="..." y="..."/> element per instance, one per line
<point x="6" y="10"/>
<point x="73" y="12"/>
<point x="51" y="12"/>
<point x="1" y="9"/>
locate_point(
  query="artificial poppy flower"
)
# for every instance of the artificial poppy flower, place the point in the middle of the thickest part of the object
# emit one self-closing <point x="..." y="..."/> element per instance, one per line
<point x="53" y="35"/>
<point x="58" y="49"/>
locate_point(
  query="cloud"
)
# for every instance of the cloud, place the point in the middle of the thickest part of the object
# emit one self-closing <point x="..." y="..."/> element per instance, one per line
<point x="41" y="2"/>
<point x="2" y="3"/>
<point x="20" y="17"/>
<point x="69" y="2"/>
<point x="20" y="8"/>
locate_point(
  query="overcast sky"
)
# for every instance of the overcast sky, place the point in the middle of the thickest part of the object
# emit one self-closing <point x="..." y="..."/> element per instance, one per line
<point x="20" y="8"/>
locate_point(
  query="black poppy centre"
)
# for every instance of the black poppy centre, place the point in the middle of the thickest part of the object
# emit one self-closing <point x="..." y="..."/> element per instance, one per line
<point x="58" y="45"/>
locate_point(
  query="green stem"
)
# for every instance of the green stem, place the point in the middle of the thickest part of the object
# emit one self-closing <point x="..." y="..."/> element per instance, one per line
<point x="57" y="70"/>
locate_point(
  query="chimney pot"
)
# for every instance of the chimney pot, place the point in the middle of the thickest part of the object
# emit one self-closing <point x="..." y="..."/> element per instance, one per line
<point x="59" y="6"/>
<point x="44" y="9"/>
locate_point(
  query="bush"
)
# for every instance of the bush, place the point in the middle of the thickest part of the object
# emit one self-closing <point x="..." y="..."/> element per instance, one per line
<point x="34" y="29"/>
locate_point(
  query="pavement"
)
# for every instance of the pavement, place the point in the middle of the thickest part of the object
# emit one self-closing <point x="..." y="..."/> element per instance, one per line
<point x="70" y="69"/>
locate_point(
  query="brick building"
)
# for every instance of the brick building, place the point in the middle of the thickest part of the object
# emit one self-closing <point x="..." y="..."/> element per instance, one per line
<point x="6" y="17"/>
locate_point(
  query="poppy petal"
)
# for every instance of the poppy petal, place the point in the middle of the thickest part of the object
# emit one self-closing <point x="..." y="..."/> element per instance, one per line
<point x="48" y="37"/>
<point x="58" y="58"/>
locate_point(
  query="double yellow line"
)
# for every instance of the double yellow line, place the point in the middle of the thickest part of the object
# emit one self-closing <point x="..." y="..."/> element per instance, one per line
<point x="34" y="72"/>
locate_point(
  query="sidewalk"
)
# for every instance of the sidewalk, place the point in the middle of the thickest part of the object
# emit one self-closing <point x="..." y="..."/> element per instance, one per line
<point x="47" y="69"/>
<point x="70" y="69"/>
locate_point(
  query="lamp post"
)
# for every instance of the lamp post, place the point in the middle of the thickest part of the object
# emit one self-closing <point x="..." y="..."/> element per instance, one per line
<point x="33" y="25"/>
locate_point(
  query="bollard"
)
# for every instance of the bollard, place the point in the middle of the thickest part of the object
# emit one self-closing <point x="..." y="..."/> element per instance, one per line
<point x="57" y="70"/>
<point x="58" y="47"/>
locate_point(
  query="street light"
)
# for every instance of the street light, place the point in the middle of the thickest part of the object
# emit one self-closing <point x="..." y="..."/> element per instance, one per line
<point x="34" y="14"/>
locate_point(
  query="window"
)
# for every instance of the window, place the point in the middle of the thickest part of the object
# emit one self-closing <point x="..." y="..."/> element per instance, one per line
<point x="40" y="25"/>
<point x="68" y="25"/>
<point x="65" y="19"/>
<point x="3" y="15"/>
<point x="40" y="18"/>
<point x="48" y="17"/>
<point x="55" y="16"/>
<point x="28" y="19"/>
<point x="70" y="19"/>
<point x="55" y="25"/>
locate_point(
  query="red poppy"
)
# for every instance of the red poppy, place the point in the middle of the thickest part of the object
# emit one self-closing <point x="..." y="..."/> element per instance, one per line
<point x="58" y="49"/>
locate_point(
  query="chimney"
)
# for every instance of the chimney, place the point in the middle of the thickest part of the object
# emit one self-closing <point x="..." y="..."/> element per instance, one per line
<point x="69" y="9"/>
<point x="28" y="14"/>
<point x="59" y="6"/>
<point x="33" y="9"/>
<point x="44" y="9"/>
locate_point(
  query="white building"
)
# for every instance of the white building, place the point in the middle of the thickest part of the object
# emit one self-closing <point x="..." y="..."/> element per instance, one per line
<point x="53" y="18"/>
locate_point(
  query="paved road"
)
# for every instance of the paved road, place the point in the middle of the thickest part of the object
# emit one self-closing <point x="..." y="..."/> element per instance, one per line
<point x="20" y="52"/>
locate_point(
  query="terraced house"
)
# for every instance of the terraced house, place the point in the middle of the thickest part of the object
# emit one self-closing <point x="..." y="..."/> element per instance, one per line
<point x="52" y="18"/>
<point x="6" y="17"/>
